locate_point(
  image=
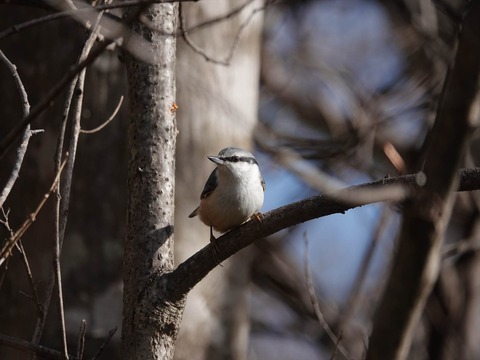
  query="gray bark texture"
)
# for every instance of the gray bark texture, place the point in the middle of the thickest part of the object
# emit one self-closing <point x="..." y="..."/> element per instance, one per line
<point x="217" y="108"/>
<point x="427" y="214"/>
<point x="149" y="330"/>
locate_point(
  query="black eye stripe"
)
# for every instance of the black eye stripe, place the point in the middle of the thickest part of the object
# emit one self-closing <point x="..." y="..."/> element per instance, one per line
<point x="246" y="159"/>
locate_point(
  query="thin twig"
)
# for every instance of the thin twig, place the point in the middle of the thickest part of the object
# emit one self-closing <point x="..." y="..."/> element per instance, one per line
<point x="30" y="278"/>
<point x="114" y="29"/>
<point x="98" y="128"/>
<point x="23" y="293"/>
<point x="39" y="350"/>
<point x="46" y="101"/>
<point x="320" y="180"/>
<point x="5" y="222"/>
<point x="352" y="302"/>
<point x="4" y="272"/>
<point x="60" y="301"/>
<point x="40" y="324"/>
<point x="22" y="149"/>
<point x="7" y="248"/>
<point x="315" y="304"/>
<point x="15" y="29"/>
<point x="236" y="40"/>
<point x="81" y="339"/>
<point x="218" y="19"/>
<point x="107" y="339"/>
<point x="337" y="344"/>
<point x="65" y="194"/>
<point x="62" y="209"/>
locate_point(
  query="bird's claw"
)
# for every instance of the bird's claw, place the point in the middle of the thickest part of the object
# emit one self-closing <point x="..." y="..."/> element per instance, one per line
<point x="258" y="216"/>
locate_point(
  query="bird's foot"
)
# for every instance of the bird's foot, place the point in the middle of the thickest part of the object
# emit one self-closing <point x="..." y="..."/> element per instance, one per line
<point x="257" y="216"/>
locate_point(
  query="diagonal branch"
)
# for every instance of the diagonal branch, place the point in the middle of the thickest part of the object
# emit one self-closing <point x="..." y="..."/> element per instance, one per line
<point x="175" y="285"/>
<point x="8" y="246"/>
<point x="316" y="307"/>
<point x="22" y="149"/>
<point x="70" y="75"/>
<point x="29" y="347"/>
<point x="84" y="7"/>
<point x="110" y="118"/>
<point x="46" y="101"/>
<point x="226" y="61"/>
<point x="74" y="99"/>
<point x="46" y="352"/>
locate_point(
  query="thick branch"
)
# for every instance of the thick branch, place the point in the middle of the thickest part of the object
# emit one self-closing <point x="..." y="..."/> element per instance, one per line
<point x="189" y="273"/>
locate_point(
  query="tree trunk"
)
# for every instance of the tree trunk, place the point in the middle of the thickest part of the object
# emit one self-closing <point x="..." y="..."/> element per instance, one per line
<point x="148" y="332"/>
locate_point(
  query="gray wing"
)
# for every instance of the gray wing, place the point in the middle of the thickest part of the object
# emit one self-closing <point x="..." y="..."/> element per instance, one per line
<point x="207" y="190"/>
<point x="211" y="184"/>
<point x="264" y="186"/>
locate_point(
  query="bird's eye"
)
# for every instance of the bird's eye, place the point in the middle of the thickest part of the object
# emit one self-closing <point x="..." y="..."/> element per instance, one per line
<point x="235" y="158"/>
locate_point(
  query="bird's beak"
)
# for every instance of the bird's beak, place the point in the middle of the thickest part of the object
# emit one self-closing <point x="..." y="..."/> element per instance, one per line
<point x="216" y="160"/>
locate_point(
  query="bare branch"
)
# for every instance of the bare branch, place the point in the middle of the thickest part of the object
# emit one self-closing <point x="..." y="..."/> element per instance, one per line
<point x="4" y="272"/>
<point x="22" y="149"/>
<point x="98" y="128"/>
<point x="353" y="299"/>
<point x="218" y="19"/>
<point x="45" y="352"/>
<point x="8" y="246"/>
<point x="30" y="278"/>
<point x="316" y="307"/>
<point x="73" y="72"/>
<point x="180" y="281"/>
<point x="46" y="101"/>
<point x="426" y="215"/>
<point x="63" y="196"/>
<point x="83" y="6"/>
<point x="39" y="350"/>
<point x="236" y="40"/>
<point x="37" y="333"/>
<point x="105" y="342"/>
<point x="65" y="193"/>
<point x="81" y="339"/>
<point x="337" y="345"/>
<point x="321" y="181"/>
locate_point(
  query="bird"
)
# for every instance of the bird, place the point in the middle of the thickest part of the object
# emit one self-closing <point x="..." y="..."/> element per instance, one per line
<point x="233" y="193"/>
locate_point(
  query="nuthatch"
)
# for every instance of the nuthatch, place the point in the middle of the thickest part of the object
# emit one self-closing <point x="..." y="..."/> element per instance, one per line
<point x="233" y="192"/>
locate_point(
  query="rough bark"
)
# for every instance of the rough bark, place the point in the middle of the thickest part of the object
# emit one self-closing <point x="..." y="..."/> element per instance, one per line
<point x="425" y="217"/>
<point x="149" y="330"/>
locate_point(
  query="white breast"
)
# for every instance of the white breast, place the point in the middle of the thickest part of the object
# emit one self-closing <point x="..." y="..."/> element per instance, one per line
<point x="237" y="197"/>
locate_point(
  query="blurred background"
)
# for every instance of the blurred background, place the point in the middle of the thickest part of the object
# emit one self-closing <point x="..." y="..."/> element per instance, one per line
<point x="328" y="94"/>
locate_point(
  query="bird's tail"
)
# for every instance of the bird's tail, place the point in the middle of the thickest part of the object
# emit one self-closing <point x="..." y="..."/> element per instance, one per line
<point x="194" y="213"/>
